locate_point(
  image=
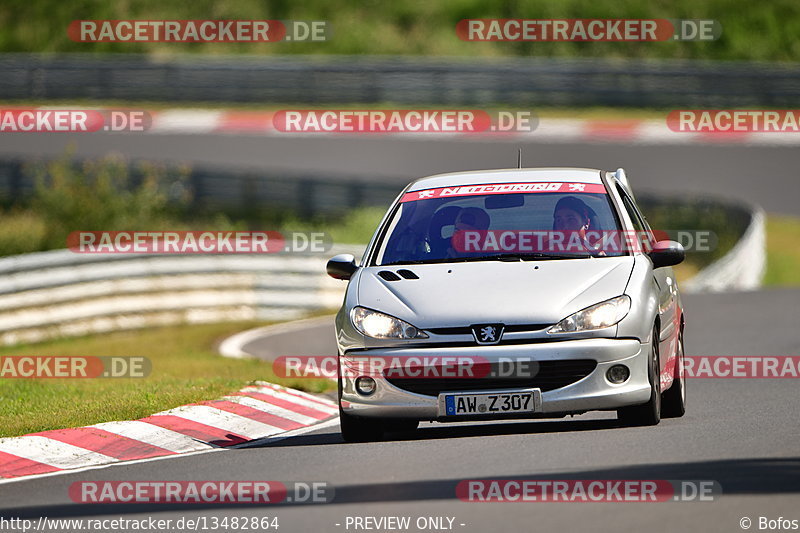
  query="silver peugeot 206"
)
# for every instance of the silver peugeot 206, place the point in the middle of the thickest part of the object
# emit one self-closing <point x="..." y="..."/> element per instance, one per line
<point x="519" y="293"/>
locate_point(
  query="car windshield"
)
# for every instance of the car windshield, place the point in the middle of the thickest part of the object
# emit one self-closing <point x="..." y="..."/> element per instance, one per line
<point x="504" y="222"/>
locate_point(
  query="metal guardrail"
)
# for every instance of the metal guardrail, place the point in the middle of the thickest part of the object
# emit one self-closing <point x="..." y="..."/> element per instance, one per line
<point x="61" y="293"/>
<point x="400" y="80"/>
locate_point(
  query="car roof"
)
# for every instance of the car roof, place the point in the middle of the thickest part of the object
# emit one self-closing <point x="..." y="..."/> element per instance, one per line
<point x="508" y="175"/>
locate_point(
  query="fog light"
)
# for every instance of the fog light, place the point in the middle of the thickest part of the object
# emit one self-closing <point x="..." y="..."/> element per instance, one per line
<point x="365" y="385"/>
<point x="618" y="374"/>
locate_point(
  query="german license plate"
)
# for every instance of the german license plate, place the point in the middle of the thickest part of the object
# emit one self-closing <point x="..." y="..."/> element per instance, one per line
<point x="490" y="402"/>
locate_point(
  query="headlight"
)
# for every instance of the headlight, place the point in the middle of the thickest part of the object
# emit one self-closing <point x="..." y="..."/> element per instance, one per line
<point x="598" y="316"/>
<point x="381" y="326"/>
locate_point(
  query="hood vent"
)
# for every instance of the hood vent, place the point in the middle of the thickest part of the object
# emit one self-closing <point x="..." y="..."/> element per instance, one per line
<point x="388" y="275"/>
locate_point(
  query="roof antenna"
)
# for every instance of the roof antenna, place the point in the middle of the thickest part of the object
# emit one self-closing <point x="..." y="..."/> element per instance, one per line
<point x="519" y="158"/>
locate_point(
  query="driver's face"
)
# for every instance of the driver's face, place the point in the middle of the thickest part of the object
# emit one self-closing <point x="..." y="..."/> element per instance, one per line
<point x="567" y="220"/>
<point x="465" y="222"/>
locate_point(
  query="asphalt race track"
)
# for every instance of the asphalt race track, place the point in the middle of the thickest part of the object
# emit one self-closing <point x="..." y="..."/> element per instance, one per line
<point x="742" y="433"/>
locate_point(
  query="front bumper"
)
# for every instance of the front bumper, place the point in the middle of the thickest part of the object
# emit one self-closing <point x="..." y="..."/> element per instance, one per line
<point x="593" y="392"/>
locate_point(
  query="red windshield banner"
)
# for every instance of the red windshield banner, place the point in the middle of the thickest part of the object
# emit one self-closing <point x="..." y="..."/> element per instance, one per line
<point x="504" y="188"/>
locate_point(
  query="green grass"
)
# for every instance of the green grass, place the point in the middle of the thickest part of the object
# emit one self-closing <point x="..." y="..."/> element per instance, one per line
<point x="185" y="368"/>
<point x="22" y="232"/>
<point x="783" y="251"/>
<point x="355" y="227"/>
<point x="751" y="30"/>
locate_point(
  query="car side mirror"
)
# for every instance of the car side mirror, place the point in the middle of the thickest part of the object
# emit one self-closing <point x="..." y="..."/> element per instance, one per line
<point x="341" y="266"/>
<point x="667" y="253"/>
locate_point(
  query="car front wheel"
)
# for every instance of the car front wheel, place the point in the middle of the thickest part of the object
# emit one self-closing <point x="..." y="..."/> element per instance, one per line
<point x="648" y="414"/>
<point x="357" y="429"/>
<point x="674" y="399"/>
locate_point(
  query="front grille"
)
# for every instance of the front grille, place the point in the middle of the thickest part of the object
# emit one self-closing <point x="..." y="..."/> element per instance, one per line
<point x="551" y="375"/>
<point x="467" y="330"/>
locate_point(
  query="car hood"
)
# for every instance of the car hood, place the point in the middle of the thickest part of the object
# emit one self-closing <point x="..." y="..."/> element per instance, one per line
<point x="459" y="294"/>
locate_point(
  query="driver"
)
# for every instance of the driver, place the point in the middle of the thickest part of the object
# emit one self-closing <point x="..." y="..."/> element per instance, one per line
<point x="468" y="219"/>
<point x="572" y="215"/>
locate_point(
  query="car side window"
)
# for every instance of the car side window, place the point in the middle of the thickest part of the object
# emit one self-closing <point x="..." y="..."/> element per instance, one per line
<point x="639" y="225"/>
<point x="650" y="235"/>
<point x="642" y="218"/>
<point x="626" y="202"/>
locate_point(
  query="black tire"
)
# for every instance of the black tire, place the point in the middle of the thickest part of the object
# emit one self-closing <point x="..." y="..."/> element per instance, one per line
<point x="400" y="425"/>
<point x="648" y="414"/>
<point x="357" y="429"/>
<point x="673" y="401"/>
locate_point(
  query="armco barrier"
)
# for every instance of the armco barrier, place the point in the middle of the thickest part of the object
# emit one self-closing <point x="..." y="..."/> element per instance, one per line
<point x="61" y="293"/>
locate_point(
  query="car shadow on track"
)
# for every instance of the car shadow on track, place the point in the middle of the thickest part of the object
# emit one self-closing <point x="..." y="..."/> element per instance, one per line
<point x="754" y="476"/>
<point x="454" y="431"/>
